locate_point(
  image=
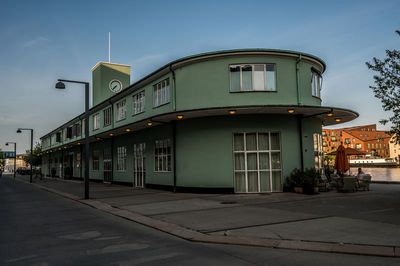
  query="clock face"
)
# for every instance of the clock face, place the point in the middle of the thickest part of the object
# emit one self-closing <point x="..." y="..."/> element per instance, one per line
<point x="115" y="85"/>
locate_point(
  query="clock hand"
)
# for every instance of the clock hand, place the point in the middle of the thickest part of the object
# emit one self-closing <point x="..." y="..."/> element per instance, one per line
<point x="115" y="87"/>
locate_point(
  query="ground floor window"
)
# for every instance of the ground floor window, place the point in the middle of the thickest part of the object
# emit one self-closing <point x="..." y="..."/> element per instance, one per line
<point x="318" y="153"/>
<point x="257" y="162"/>
<point x="162" y="156"/>
<point x="95" y="161"/>
<point x="139" y="165"/>
<point x="121" y="158"/>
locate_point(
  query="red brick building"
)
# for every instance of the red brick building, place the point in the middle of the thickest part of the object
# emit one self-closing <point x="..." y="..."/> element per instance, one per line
<point x="365" y="138"/>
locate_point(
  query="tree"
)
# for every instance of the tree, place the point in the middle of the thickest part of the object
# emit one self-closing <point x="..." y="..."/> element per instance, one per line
<point x="2" y="161"/>
<point x="387" y="86"/>
<point x="36" y="159"/>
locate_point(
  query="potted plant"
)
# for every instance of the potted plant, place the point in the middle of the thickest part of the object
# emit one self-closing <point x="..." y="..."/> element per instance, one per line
<point x="310" y="184"/>
<point x="295" y="181"/>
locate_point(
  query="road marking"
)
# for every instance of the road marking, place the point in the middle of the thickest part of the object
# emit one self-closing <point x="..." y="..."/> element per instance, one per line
<point x="116" y="248"/>
<point x="82" y="236"/>
<point x="22" y="258"/>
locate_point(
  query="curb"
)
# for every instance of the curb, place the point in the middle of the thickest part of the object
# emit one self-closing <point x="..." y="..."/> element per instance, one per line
<point x="194" y="236"/>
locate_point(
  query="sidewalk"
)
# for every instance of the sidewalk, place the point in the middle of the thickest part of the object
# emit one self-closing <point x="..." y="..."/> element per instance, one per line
<point x="365" y="223"/>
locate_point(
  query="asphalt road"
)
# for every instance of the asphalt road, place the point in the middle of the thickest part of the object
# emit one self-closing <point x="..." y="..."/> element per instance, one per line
<point x="41" y="228"/>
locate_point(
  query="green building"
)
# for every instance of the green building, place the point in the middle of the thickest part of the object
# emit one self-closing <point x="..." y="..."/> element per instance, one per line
<point x="229" y="121"/>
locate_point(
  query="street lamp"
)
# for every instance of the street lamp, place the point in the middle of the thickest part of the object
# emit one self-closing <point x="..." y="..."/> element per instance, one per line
<point x="20" y="131"/>
<point x="60" y="85"/>
<point x="15" y="155"/>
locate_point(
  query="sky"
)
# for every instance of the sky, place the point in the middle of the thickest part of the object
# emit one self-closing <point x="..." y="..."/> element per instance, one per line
<point x="41" y="41"/>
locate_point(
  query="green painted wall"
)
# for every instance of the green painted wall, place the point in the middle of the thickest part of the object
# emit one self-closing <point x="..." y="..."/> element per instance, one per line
<point x="205" y="152"/>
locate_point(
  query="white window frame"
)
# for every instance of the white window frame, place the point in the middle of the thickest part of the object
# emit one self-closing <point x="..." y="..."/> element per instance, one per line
<point x="96" y="121"/>
<point x="269" y="151"/>
<point x="121" y="159"/>
<point x="252" y="77"/>
<point x="138" y="102"/>
<point x="162" y="160"/>
<point x="121" y="110"/>
<point x="107" y="117"/>
<point x="316" y="84"/>
<point x="161" y="93"/>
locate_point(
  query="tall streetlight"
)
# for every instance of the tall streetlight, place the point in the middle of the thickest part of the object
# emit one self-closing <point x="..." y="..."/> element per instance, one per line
<point x="19" y="131"/>
<point x="60" y="85"/>
<point x="15" y="155"/>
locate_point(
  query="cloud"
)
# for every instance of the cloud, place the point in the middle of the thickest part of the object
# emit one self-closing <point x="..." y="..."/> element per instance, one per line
<point x="35" y="41"/>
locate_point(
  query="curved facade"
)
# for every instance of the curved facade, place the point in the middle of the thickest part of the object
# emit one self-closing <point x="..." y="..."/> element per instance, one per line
<point x="237" y="121"/>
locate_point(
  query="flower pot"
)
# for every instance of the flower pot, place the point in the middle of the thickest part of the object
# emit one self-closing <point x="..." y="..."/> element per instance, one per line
<point x="298" y="189"/>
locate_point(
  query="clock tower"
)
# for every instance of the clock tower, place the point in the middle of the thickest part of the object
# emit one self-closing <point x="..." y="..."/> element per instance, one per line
<point x="109" y="79"/>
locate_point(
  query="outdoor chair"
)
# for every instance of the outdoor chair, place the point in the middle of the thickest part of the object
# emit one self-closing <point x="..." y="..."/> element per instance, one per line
<point x="363" y="181"/>
<point x="349" y="184"/>
<point x="323" y="184"/>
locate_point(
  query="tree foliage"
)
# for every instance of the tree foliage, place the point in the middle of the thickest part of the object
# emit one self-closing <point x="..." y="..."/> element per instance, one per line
<point x="387" y="86"/>
<point x="36" y="159"/>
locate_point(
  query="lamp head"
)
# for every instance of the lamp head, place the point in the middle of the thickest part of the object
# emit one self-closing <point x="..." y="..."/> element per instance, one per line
<point x="60" y="85"/>
<point x="19" y="130"/>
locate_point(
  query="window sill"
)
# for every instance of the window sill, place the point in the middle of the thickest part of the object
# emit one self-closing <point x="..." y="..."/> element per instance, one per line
<point x="122" y="119"/>
<point x="252" y="91"/>
<point x="162" y="171"/>
<point x="154" y="107"/>
<point x="138" y="113"/>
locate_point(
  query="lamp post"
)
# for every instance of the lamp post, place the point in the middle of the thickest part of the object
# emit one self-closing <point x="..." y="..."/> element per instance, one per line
<point x="60" y="85"/>
<point x="15" y="155"/>
<point x="31" y="157"/>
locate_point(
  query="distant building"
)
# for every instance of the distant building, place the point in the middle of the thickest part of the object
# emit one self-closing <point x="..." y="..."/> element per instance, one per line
<point x="394" y="149"/>
<point x="9" y="166"/>
<point x="364" y="138"/>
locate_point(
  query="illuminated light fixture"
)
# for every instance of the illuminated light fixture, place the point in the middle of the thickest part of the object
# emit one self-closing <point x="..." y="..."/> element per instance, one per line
<point x="98" y="138"/>
<point x="179" y="116"/>
<point x="232" y="112"/>
<point x="330" y="114"/>
<point x="111" y="134"/>
<point x="59" y="149"/>
<point x="79" y="143"/>
<point x="128" y="130"/>
<point x="290" y="111"/>
<point x="149" y="123"/>
<point x="65" y="147"/>
<point x="338" y="119"/>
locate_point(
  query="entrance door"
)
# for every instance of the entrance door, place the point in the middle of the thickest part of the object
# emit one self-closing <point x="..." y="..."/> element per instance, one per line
<point x="107" y="165"/>
<point x="139" y="169"/>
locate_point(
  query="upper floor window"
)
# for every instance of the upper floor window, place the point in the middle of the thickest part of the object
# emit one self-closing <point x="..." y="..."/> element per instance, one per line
<point x="69" y="133"/>
<point x="161" y="93"/>
<point x="58" y="137"/>
<point x="138" y="103"/>
<point x="78" y="129"/>
<point x="96" y="121"/>
<point x="121" y="110"/>
<point x="316" y="84"/>
<point x="252" y="77"/>
<point x="107" y="116"/>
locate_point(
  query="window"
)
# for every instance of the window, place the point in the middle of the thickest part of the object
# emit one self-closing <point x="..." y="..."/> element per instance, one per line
<point x="162" y="156"/>
<point x="318" y="153"/>
<point x="358" y="146"/>
<point x="121" y="158"/>
<point x="252" y="77"/>
<point x="257" y="162"/>
<point x="58" y="137"/>
<point x="138" y="103"/>
<point x="333" y="138"/>
<point x="78" y="160"/>
<point x="161" y="93"/>
<point x="95" y="161"/>
<point x="96" y="121"/>
<point x="69" y="133"/>
<point x="323" y="133"/>
<point x="369" y="145"/>
<point x="78" y="130"/>
<point x="347" y="140"/>
<point x="121" y="110"/>
<point x="316" y="84"/>
<point x="107" y="116"/>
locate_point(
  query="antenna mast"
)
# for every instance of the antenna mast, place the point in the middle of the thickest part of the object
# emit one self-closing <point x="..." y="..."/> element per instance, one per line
<point x="109" y="47"/>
